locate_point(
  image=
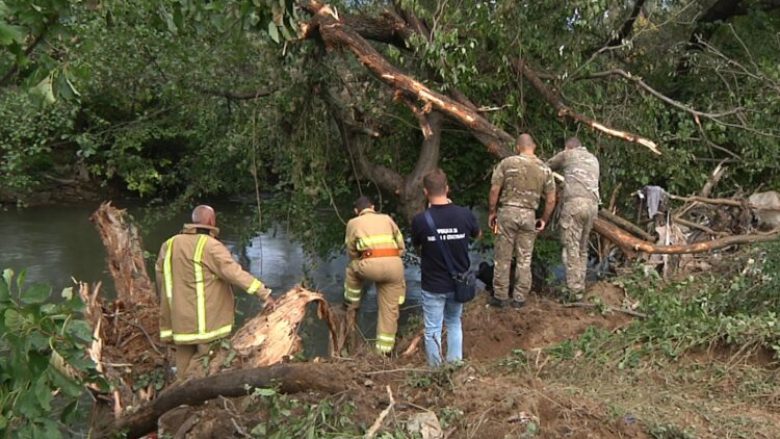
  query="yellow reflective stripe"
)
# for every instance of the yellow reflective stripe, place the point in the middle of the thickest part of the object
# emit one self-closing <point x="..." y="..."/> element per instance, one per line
<point x="386" y="337"/>
<point x="367" y="241"/>
<point x="205" y="335"/>
<point x="167" y="271"/>
<point x="256" y="284"/>
<point x="385" y="342"/>
<point x="352" y="294"/>
<point x="383" y="349"/>
<point x="199" y="288"/>
<point x="167" y="333"/>
<point x="401" y="300"/>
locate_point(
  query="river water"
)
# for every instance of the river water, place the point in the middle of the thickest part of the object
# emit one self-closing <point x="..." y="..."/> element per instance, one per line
<point x="55" y="244"/>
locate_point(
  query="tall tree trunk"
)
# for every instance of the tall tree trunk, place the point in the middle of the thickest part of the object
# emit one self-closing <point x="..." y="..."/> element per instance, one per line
<point x="412" y="198"/>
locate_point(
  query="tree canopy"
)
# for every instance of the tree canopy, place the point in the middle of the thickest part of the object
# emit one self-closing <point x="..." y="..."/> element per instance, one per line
<point x="319" y="102"/>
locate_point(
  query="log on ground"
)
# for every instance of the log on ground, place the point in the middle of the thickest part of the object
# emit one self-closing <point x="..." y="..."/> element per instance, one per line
<point x="632" y="245"/>
<point x="288" y="378"/>
<point x="626" y="224"/>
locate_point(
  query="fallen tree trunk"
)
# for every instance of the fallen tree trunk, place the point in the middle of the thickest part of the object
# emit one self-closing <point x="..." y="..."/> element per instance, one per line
<point x="288" y="378"/>
<point x="626" y="224"/>
<point x="631" y="244"/>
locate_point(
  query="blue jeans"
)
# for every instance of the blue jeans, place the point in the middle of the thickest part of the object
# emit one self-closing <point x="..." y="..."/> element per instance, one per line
<point x="438" y="308"/>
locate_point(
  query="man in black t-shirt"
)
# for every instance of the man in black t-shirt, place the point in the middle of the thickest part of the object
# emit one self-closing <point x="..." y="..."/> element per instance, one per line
<point x="455" y="226"/>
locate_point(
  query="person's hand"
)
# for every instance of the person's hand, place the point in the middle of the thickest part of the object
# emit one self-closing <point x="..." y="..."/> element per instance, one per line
<point x="492" y="221"/>
<point x="540" y="224"/>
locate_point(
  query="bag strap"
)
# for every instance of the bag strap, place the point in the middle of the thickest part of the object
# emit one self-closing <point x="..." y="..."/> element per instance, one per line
<point x="443" y="248"/>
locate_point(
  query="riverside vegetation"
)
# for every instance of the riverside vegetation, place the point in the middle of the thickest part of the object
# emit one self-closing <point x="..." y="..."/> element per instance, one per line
<point x="702" y="364"/>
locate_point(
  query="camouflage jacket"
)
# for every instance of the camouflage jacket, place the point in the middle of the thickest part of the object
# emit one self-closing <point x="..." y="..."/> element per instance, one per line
<point x="523" y="180"/>
<point x="580" y="173"/>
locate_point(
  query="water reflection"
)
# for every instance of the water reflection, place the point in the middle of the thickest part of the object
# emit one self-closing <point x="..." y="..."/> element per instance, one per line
<point x="57" y="243"/>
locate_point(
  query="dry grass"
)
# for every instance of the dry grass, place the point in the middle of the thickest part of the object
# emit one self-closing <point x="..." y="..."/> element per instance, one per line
<point x="706" y="398"/>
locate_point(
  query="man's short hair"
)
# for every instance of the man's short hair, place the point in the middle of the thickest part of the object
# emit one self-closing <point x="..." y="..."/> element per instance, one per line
<point x="573" y="142"/>
<point x="525" y="141"/>
<point x="435" y="182"/>
<point x="363" y="203"/>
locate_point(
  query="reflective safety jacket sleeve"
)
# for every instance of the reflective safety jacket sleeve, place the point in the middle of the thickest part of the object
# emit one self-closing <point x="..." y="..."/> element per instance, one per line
<point x="194" y="274"/>
<point x="371" y="230"/>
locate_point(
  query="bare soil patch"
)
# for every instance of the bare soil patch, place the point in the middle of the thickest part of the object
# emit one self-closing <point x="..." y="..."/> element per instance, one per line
<point x="489" y="333"/>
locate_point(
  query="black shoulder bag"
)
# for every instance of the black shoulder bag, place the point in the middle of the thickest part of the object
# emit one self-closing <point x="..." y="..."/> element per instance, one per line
<point x="465" y="283"/>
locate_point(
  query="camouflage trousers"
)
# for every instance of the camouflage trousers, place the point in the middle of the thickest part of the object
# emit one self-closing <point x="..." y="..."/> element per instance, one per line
<point x="516" y="236"/>
<point x="576" y="221"/>
<point x="388" y="275"/>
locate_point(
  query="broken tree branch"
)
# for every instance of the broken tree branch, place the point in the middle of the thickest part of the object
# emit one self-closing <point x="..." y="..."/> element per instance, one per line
<point x="714" y="178"/>
<point x="626" y="224"/>
<point x="630" y="312"/>
<point x="565" y="111"/>
<point x="379" y="420"/>
<point x="674" y="103"/>
<point x="719" y="201"/>
<point x="335" y="34"/>
<point x="631" y="245"/>
<point x="692" y="225"/>
<point x="272" y="336"/>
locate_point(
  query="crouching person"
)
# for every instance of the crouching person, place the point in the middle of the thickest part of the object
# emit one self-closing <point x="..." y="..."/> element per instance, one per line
<point x="375" y="246"/>
<point x="454" y="226"/>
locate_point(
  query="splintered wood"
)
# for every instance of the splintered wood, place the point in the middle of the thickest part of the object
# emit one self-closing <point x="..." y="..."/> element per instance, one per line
<point x="126" y="344"/>
<point x="125" y="255"/>
<point x="272" y="336"/>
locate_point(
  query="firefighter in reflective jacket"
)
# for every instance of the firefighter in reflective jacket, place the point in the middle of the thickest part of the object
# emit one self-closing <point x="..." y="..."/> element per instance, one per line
<point x="194" y="274"/>
<point x="375" y="245"/>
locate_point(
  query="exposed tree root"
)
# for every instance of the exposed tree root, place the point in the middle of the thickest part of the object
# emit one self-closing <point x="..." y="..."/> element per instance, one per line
<point x="125" y="255"/>
<point x="126" y="332"/>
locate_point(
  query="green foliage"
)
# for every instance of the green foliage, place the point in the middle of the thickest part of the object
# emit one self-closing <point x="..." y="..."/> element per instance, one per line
<point x="450" y="416"/>
<point x="26" y="138"/>
<point x="667" y="431"/>
<point x="21" y="24"/>
<point x="287" y="417"/>
<point x="139" y="97"/>
<point x="517" y="360"/>
<point x="439" y="378"/>
<point x="736" y="309"/>
<point x="155" y="377"/>
<point x="43" y="362"/>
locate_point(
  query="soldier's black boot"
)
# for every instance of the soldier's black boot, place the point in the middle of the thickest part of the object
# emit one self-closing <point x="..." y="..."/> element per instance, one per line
<point x="517" y="304"/>
<point x="498" y="303"/>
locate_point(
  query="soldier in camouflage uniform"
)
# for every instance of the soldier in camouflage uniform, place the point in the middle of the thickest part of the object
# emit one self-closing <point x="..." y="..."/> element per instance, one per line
<point x="518" y="183"/>
<point x="580" y="207"/>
